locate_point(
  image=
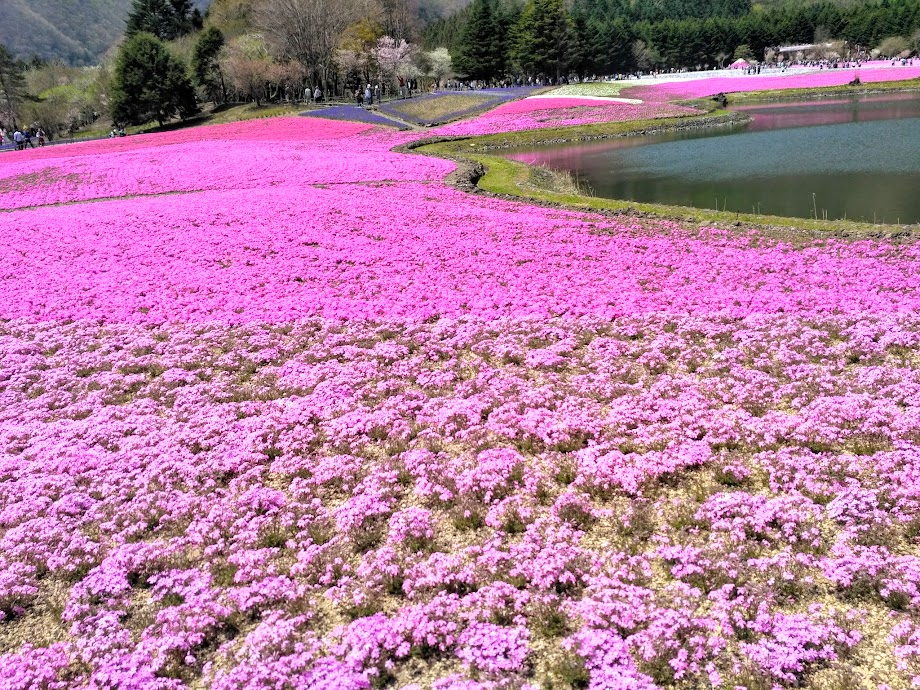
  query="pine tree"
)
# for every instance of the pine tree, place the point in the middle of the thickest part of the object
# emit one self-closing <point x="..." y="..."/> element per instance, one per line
<point x="620" y="38"/>
<point x="208" y="74"/>
<point x="545" y="41"/>
<point x="480" y="55"/>
<point x="12" y="86"/>
<point x="165" y="19"/>
<point x="150" y="84"/>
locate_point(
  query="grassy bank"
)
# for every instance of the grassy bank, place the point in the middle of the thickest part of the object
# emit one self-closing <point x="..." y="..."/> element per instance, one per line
<point x="824" y="92"/>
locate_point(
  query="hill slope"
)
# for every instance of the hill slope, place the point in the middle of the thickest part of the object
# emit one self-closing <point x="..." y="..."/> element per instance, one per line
<point x="76" y="31"/>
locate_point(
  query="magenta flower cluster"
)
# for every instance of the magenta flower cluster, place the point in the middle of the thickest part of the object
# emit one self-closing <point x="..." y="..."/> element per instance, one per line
<point x="342" y="227"/>
<point x="699" y="88"/>
<point x="677" y="499"/>
<point x="316" y="420"/>
<point x="544" y="113"/>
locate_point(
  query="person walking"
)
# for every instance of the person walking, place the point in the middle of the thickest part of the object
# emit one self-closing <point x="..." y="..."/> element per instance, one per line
<point x="317" y="94"/>
<point x="18" y="139"/>
<point x="368" y="95"/>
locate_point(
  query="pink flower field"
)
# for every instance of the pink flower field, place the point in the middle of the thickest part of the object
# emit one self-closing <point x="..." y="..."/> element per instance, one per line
<point x="544" y="113"/>
<point x="283" y="409"/>
<point x="701" y="88"/>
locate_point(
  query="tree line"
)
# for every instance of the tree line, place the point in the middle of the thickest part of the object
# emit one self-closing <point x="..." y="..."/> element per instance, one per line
<point x="257" y="50"/>
<point x="173" y="59"/>
<point x="492" y="38"/>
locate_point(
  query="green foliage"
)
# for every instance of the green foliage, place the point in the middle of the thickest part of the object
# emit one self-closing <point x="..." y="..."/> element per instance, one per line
<point x="480" y="55"/>
<point x="12" y="86"/>
<point x="165" y="19"/>
<point x="545" y="41"/>
<point x="688" y="33"/>
<point x="150" y="84"/>
<point x="743" y="52"/>
<point x="446" y="31"/>
<point x="233" y="17"/>
<point x="205" y="66"/>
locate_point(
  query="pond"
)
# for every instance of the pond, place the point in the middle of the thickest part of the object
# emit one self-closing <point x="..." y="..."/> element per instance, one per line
<point x="854" y="158"/>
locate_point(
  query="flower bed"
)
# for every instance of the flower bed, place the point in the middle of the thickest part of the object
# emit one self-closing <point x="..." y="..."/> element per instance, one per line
<point x="329" y="423"/>
<point x="668" y="499"/>
<point x="442" y="109"/>
<point x="384" y="249"/>
<point x="278" y="129"/>
<point x="544" y="113"/>
<point x="591" y="89"/>
<point x="287" y="150"/>
<point x="700" y="88"/>
<point x="354" y="113"/>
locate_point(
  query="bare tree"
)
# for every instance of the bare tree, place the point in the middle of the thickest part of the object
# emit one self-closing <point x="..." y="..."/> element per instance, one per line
<point x="288" y="79"/>
<point x="12" y="86"/>
<point x="308" y="31"/>
<point x="399" y="18"/>
<point x="894" y="46"/>
<point x="646" y="57"/>
<point x="249" y="67"/>
<point x="914" y="42"/>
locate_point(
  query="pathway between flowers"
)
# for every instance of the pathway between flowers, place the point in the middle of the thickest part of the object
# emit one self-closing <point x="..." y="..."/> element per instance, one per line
<point x="324" y="421"/>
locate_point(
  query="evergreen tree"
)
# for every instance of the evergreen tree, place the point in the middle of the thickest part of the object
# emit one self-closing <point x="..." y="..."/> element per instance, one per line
<point x="507" y="15"/>
<point x="447" y="32"/>
<point x="611" y="36"/>
<point x="150" y="84"/>
<point x="12" y="86"/>
<point x="165" y="19"/>
<point x="620" y="39"/>
<point x="205" y="67"/>
<point x="480" y="54"/>
<point x="590" y="36"/>
<point x="545" y="42"/>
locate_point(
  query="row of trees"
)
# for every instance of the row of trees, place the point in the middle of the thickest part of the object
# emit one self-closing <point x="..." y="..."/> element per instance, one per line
<point x="172" y="59"/>
<point x="268" y="49"/>
<point x="50" y="95"/>
<point x="492" y="38"/>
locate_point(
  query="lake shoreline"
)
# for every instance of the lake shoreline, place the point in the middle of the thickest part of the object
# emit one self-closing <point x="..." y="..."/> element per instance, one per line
<point x="479" y="170"/>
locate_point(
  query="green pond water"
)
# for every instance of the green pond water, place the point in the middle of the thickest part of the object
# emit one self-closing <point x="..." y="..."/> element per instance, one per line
<point x="854" y="158"/>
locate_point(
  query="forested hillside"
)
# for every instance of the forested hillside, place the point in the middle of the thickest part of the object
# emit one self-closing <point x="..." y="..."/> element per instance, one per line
<point x="76" y="31"/>
<point x="491" y="38"/>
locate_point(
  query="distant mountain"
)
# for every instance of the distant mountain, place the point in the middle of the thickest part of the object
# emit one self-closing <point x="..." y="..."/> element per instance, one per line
<point x="431" y="10"/>
<point x="78" y="32"/>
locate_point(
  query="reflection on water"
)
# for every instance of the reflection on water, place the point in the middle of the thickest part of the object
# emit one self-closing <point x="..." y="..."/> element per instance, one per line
<point x="844" y="158"/>
<point x="835" y="111"/>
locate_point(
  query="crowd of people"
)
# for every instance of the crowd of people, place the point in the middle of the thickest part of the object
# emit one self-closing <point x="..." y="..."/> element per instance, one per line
<point x="407" y="88"/>
<point x="23" y="138"/>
